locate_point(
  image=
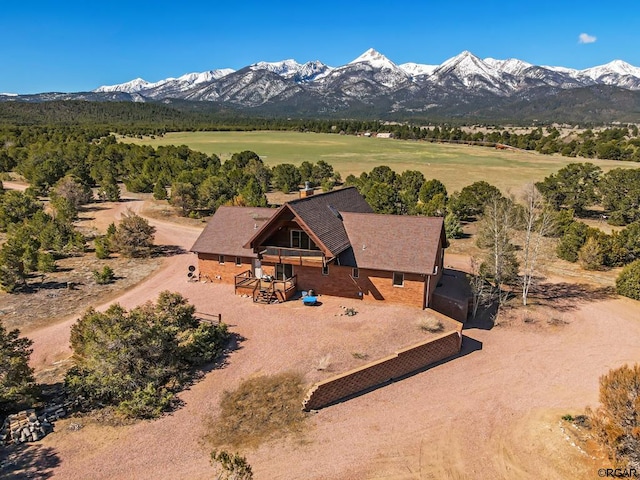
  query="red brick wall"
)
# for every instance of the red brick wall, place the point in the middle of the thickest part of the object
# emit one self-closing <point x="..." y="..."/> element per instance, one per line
<point x="375" y="285"/>
<point x="379" y="286"/>
<point x="210" y="269"/>
<point x="375" y="373"/>
<point x="337" y="283"/>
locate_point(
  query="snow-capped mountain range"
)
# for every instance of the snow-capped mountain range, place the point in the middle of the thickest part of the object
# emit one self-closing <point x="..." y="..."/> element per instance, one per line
<point x="466" y="70"/>
<point x="464" y="85"/>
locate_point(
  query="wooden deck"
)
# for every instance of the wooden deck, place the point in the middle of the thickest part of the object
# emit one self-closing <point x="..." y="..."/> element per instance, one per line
<point x="264" y="291"/>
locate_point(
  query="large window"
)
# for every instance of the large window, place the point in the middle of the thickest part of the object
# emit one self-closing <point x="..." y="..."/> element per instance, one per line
<point x="398" y="279"/>
<point x="238" y="262"/>
<point x="283" y="271"/>
<point x="221" y="259"/>
<point x="300" y="239"/>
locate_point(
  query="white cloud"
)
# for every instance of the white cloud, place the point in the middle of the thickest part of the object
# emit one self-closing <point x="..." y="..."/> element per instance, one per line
<point x="586" y="38"/>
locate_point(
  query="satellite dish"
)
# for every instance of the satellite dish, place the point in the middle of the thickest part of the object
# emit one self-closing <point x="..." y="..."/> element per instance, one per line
<point x="192" y="268"/>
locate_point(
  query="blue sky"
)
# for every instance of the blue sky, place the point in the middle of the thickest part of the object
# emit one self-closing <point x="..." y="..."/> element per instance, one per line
<point x="71" y="45"/>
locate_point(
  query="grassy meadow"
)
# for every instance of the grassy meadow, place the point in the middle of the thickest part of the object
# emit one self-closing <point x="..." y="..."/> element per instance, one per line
<point x="454" y="165"/>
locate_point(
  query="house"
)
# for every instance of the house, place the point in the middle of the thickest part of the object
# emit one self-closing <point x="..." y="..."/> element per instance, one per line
<point x="331" y="243"/>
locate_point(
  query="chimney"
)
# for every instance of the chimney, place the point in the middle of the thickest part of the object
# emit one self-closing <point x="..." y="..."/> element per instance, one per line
<point x="307" y="191"/>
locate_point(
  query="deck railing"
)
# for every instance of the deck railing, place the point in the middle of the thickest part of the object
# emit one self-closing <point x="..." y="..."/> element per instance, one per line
<point x="246" y="280"/>
<point x="284" y="253"/>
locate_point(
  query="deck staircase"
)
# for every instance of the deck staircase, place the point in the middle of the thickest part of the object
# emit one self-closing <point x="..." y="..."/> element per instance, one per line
<point x="265" y="295"/>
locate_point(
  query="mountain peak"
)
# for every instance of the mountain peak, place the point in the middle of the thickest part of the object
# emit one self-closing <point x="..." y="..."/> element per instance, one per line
<point x="131" y="86"/>
<point x="466" y="63"/>
<point x="616" y="66"/>
<point x="375" y="59"/>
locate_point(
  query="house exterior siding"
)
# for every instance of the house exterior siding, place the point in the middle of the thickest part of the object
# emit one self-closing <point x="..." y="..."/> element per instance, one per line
<point x="375" y="285"/>
<point x="211" y="270"/>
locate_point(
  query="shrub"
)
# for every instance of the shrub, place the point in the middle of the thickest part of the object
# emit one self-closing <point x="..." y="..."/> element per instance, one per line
<point x="591" y="255"/>
<point x="616" y="422"/>
<point x="231" y="466"/>
<point x="628" y="282"/>
<point x="572" y="241"/>
<point x="17" y="384"/>
<point x="137" y="360"/>
<point x="159" y="192"/>
<point x="452" y="226"/>
<point x="134" y="236"/>
<point x="431" y="325"/>
<point x="102" y="247"/>
<point x="105" y="276"/>
<point x="46" y="262"/>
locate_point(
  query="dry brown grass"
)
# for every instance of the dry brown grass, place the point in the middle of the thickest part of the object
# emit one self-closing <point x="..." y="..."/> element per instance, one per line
<point x="431" y="325"/>
<point x="260" y="409"/>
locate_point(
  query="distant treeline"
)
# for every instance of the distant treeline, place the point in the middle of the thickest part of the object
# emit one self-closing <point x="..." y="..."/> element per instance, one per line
<point x="98" y="119"/>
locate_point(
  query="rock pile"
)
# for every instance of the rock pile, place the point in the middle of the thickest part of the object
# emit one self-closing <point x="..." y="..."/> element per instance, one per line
<point x="23" y="427"/>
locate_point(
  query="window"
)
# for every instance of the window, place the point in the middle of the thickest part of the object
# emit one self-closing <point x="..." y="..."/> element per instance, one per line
<point x="325" y="269"/>
<point x="355" y="273"/>
<point x="221" y="259"/>
<point x="284" y="271"/>
<point x="238" y="262"/>
<point x="398" y="279"/>
<point x="300" y="239"/>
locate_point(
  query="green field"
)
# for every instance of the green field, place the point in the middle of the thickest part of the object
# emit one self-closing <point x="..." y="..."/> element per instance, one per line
<point x="455" y="165"/>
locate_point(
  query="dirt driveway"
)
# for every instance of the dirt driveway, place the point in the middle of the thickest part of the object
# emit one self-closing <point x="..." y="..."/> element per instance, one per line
<point x="492" y="413"/>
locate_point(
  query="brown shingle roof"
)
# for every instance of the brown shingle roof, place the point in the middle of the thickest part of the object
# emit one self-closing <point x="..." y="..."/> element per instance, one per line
<point x="322" y="214"/>
<point x="396" y="243"/>
<point x="230" y="228"/>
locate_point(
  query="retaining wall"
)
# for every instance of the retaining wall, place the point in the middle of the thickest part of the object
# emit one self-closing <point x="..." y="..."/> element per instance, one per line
<point x="401" y="363"/>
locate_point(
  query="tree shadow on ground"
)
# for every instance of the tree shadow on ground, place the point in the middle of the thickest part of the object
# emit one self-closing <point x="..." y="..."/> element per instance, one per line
<point x="28" y="461"/>
<point x="221" y="361"/>
<point x="93" y="207"/>
<point x="484" y="319"/>
<point x="566" y="296"/>
<point x="168" y="251"/>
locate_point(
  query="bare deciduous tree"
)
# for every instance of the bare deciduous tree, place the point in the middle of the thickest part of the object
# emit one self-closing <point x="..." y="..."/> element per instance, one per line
<point x="480" y="288"/>
<point x="537" y="222"/>
<point x="494" y="235"/>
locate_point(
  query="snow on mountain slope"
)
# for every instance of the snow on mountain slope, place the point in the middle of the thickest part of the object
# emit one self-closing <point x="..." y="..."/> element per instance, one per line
<point x="184" y="82"/>
<point x="511" y="65"/>
<point x="470" y="72"/>
<point x="616" y="73"/>
<point x="131" y="86"/>
<point x="617" y="67"/>
<point x="247" y="87"/>
<point x="417" y="69"/>
<point x="300" y="73"/>
<point x="372" y="70"/>
<point x="203" y="77"/>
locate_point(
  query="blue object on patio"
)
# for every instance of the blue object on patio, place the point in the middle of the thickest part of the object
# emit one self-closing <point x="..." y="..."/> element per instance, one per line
<point x="309" y="300"/>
